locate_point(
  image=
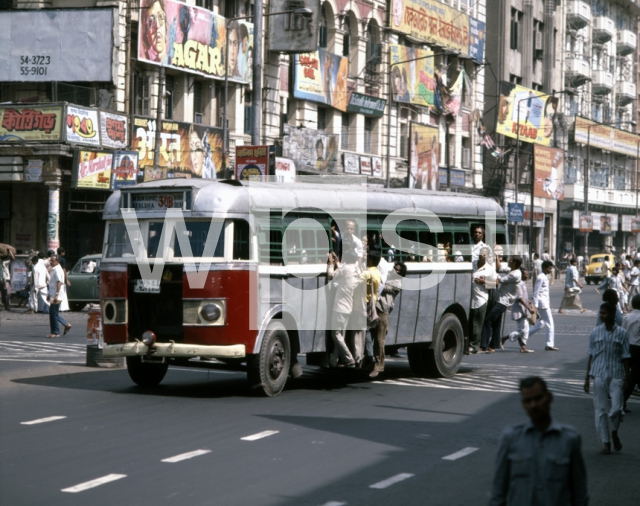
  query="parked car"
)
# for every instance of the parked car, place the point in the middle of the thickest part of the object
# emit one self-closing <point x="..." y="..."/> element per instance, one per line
<point x="84" y="287"/>
<point x="594" y="269"/>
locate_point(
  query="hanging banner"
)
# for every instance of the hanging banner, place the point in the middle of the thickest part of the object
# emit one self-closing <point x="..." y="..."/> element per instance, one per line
<point x="82" y="126"/>
<point x="31" y="124"/>
<point x="252" y="162"/>
<point x="124" y="171"/>
<point x="92" y="170"/>
<point x="605" y="225"/>
<point x="605" y="137"/>
<point x="186" y="150"/>
<point x="586" y="223"/>
<point x="449" y="100"/>
<point x="477" y="36"/>
<point x="53" y="220"/>
<point x="635" y="225"/>
<point x="310" y="150"/>
<point x="433" y="22"/>
<point x="534" y="122"/>
<point x="193" y="39"/>
<point x="321" y="77"/>
<point x="424" y="153"/>
<point x="113" y="130"/>
<point x="548" y="165"/>
<point x="412" y="75"/>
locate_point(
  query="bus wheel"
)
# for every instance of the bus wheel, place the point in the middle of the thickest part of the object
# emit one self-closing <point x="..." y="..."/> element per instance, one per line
<point x="268" y="371"/>
<point x="146" y="374"/>
<point x="444" y="357"/>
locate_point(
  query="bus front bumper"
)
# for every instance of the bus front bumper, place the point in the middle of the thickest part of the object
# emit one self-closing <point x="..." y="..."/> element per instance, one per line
<point x="174" y="350"/>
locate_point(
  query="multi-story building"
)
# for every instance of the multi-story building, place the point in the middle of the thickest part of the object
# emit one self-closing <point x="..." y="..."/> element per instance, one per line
<point x="357" y="122"/>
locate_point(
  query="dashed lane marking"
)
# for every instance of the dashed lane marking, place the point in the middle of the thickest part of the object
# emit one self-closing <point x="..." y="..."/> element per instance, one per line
<point x="391" y="481"/>
<point x="462" y="453"/>
<point x="334" y="503"/>
<point x="43" y="420"/>
<point x="94" y="483"/>
<point x="185" y="456"/>
<point x="260" y="435"/>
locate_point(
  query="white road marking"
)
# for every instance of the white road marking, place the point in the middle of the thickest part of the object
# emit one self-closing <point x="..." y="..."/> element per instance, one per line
<point x="391" y="481"/>
<point x="260" y="435"/>
<point x="94" y="483"/>
<point x="61" y="361"/>
<point x="185" y="456"/>
<point x="334" y="503"/>
<point x="43" y="420"/>
<point x="462" y="453"/>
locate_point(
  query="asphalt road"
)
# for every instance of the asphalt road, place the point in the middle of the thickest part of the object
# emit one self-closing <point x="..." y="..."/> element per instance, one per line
<point x="329" y="439"/>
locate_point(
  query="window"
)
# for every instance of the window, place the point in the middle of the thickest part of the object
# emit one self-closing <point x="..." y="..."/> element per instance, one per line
<point x="142" y="98"/>
<point x="248" y="117"/>
<point x="368" y="134"/>
<point x="197" y="233"/>
<point x="198" y="109"/>
<point x="515" y="79"/>
<point x="322" y="119"/>
<point x="344" y="133"/>
<point x="323" y="32"/>
<point x="346" y="39"/>
<point x="170" y="85"/>
<point x="6" y="5"/>
<point x="241" y="240"/>
<point x="373" y="51"/>
<point x="118" y="242"/>
<point x="516" y="30"/>
<point x="207" y="4"/>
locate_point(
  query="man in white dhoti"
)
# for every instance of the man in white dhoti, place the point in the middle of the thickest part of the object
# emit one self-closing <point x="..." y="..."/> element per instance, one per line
<point x="41" y="282"/>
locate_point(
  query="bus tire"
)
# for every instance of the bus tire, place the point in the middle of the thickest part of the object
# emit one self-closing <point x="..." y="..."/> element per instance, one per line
<point x="268" y="371"/>
<point x="445" y="354"/>
<point x="415" y="354"/>
<point x="146" y="374"/>
<point x="77" y="306"/>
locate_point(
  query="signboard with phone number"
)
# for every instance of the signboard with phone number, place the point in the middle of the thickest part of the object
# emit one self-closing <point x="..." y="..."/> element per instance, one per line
<point x="34" y="65"/>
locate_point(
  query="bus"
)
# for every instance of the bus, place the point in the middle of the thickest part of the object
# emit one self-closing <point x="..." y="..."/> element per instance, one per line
<point x="262" y="296"/>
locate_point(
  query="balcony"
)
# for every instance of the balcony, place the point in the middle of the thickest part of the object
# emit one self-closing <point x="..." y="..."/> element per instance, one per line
<point x="625" y="92"/>
<point x="578" y="14"/>
<point x="626" y="43"/>
<point x="603" y="29"/>
<point x="602" y="82"/>
<point x="577" y="71"/>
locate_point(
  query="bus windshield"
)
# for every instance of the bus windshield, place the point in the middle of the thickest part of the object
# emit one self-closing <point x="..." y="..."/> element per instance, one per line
<point x="118" y="242"/>
<point x="197" y="233"/>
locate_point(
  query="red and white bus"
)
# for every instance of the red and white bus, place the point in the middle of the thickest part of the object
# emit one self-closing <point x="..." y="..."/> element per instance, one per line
<point x="263" y="298"/>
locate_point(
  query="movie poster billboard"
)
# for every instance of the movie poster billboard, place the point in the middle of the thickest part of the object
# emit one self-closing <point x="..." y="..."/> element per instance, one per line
<point x="477" y="37"/>
<point x="310" y="150"/>
<point x="113" y="130"/>
<point x="124" y="171"/>
<point x="252" y="163"/>
<point x="412" y="75"/>
<point x="586" y="223"/>
<point x="424" y="153"/>
<point x="534" y="120"/>
<point x="548" y="165"/>
<point x="193" y="39"/>
<point x="321" y="77"/>
<point x="39" y="123"/>
<point x="635" y="225"/>
<point x="82" y="126"/>
<point x="186" y="150"/>
<point x="92" y="170"/>
<point x="351" y="163"/>
<point x="431" y="21"/>
<point x="606" y="225"/>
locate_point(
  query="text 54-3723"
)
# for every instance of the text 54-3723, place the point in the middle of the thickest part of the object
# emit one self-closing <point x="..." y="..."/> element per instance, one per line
<point x="35" y="60"/>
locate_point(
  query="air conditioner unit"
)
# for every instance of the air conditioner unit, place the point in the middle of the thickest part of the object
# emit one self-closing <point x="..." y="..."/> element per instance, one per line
<point x="466" y="158"/>
<point x="197" y="118"/>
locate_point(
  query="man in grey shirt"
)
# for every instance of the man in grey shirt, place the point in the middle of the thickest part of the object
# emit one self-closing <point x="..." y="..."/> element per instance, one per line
<point x="540" y="462"/>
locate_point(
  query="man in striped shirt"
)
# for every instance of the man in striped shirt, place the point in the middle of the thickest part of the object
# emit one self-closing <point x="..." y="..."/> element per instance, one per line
<point x="609" y="367"/>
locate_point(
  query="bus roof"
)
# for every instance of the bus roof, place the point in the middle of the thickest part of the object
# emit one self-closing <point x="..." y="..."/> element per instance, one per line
<point x="240" y="197"/>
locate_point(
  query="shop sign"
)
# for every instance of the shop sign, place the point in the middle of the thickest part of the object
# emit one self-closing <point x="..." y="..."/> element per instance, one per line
<point x="377" y="166"/>
<point x="516" y="212"/>
<point x="92" y="170"/>
<point x="321" y="77"/>
<point x="157" y="201"/>
<point x="113" y="130"/>
<point x="412" y="75"/>
<point x="124" y="171"/>
<point x="367" y="105"/>
<point x="252" y="162"/>
<point x="477" y="37"/>
<point x="424" y="152"/>
<point x="23" y="241"/>
<point x="310" y="149"/>
<point x="193" y="39"/>
<point x="548" y="165"/>
<point x="351" y="163"/>
<point x="31" y="123"/>
<point x="365" y="166"/>
<point x="285" y="170"/>
<point x="82" y="126"/>
<point x="443" y="176"/>
<point x="34" y="171"/>
<point x="457" y="177"/>
<point x="605" y="137"/>
<point x="630" y="224"/>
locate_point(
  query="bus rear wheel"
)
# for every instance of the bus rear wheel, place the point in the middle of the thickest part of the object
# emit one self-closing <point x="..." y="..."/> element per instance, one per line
<point x="442" y="358"/>
<point x="267" y="371"/>
<point x="146" y="374"/>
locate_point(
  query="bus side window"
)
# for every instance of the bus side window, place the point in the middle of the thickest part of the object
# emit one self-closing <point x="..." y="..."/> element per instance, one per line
<point x="444" y="247"/>
<point x="241" y="240"/>
<point x="408" y="253"/>
<point x="462" y="245"/>
<point x="428" y="245"/>
<point x="293" y="252"/>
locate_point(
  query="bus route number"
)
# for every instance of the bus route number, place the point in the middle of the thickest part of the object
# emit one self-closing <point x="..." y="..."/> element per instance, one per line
<point x="165" y="201"/>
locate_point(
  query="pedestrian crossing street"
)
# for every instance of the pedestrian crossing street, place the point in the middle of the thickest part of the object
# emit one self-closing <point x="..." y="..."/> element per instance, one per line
<point x="51" y="349"/>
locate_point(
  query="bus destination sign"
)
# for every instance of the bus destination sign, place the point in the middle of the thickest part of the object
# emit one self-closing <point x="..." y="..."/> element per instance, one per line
<point x="157" y="201"/>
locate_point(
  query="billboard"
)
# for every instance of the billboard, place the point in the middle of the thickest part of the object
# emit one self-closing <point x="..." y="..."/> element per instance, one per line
<point x="124" y="171"/>
<point x="252" y="162"/>
<point x="186" y="150"/>
<point x="534" y="121"/>
<point x="82" y="126"/>
<point x="321" y="77"/>
<point x="431" y="21"/>
<point x="285" y="170"/>
<point x="477" y="37"/>
<point x="56" y="45"/>
<point x="606" y="137"/>
<point x="92" y="170"/>
<point x="376" y="161"/>
<point x="193" y="39"/>
<point x="36" y="123"/>
<point x="412" y="75"/>
<point x="113" y="130"/>
<point x="309" y="149"/>
<point x="424" y="153"/>
<point x="293" y="32"/>
<point x="548" y="164"/>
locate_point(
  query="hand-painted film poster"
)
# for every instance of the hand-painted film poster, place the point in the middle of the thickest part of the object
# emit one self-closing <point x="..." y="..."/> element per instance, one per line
<point x="113" y="130"/>
<point x="124" y="171"/>
<point x="424" y="152"/>
<point x="194" y="39"/>
<point x="92" y="170"/>
<point x="310" y="150"/>
<point x="535" y="119"/>
<point x="82" y="126"/>
<point x="549" y="172"/>
<point x="252" y="163"/>
<point x="32" y="123"/>
<point x="186" y="150"/>
<point x="321" y="77"/>
<point x="412" y="75"/>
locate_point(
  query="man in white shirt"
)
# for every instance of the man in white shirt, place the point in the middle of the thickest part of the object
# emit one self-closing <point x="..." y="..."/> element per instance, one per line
<point x="479" y="298"/>
<point x="635" y="279"/>
<point x="477" y="234"/>
<point x="631" y="324"/>
<point x="537" y="267"/>
<point x="40" y="282"/>
<point x="542" y="303"/>
<point x="57" y="287"/>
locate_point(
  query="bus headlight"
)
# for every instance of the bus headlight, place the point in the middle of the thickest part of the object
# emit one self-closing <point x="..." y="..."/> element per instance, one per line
<point x="210" y="312"/>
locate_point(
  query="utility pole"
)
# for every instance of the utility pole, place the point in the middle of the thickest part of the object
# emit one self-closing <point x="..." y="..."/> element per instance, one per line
<point x="256" y="105"/>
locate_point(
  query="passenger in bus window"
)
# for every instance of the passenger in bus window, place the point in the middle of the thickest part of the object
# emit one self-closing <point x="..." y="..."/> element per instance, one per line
<point x="479" y="298"/>
<point x="350" y="240"/>
<point x="477" y="233"/>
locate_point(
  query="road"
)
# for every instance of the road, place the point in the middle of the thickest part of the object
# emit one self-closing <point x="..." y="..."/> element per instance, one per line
<point x="329" y="439"/>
